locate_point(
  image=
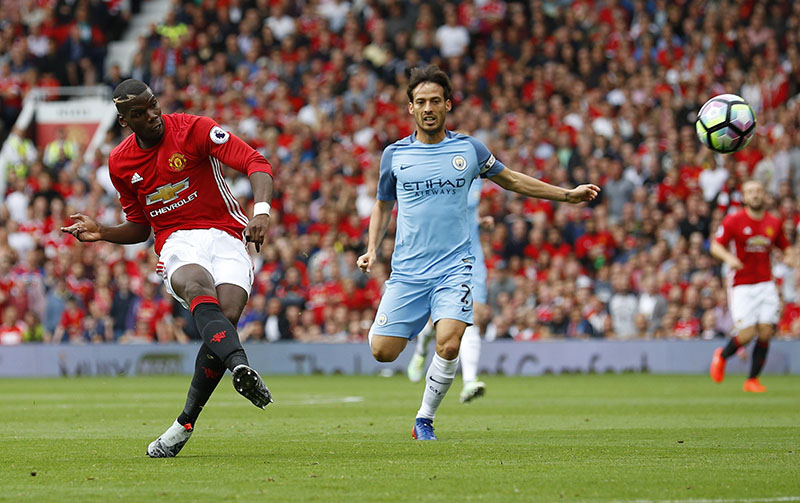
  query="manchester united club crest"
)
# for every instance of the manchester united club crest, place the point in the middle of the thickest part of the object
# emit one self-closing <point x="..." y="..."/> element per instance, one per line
<point x="177" y="162"/>
<point x="770" y="231"/>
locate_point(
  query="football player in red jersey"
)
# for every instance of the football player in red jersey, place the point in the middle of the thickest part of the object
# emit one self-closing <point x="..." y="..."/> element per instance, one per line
<point x="168" y="175"/>
<point x="754" y="302"/>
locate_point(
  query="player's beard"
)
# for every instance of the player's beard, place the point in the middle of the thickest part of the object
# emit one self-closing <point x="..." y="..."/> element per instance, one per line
<point x="432" y="130"/>
<point x="755" y="207"/>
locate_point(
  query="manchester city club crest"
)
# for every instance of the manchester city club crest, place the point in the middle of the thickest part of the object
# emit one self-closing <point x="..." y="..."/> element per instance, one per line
<point x="460" y="162"/>
<point x="382" y="319"/>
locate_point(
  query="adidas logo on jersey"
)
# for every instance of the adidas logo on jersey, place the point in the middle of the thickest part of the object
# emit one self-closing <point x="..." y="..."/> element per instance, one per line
<point x="136" y="178"/>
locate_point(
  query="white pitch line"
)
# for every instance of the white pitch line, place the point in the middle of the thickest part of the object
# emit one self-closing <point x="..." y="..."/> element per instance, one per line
<point x="779" y="499"/>
<point x="325" y="401"/>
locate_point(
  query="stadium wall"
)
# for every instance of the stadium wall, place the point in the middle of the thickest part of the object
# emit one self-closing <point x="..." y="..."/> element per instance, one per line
<point x="499" y="357"/>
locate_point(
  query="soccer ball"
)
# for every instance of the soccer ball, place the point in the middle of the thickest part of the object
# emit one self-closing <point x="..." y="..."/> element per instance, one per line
<point x="726" y="123"/>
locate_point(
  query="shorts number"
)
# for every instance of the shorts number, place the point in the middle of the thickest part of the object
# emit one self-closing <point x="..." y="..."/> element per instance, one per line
<point x="467" y="292"/>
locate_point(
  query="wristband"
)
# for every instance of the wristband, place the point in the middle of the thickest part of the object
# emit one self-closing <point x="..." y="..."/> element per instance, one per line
<point x="261" y="208"/>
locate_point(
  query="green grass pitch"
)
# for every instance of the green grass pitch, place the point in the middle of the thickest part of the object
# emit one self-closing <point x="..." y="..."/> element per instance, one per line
<point x="595" y="438"/>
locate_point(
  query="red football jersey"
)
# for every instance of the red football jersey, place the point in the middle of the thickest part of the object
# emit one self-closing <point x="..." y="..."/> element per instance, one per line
<point x="752" y="242"/>
<point x="178" y="184"/>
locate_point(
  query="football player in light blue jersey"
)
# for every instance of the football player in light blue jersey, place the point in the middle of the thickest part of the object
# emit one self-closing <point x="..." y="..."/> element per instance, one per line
<point x="429" y="175"/>
<point x="470" y="352"/>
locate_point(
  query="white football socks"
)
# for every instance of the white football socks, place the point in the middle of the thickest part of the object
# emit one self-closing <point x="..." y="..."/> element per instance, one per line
<point x="470" y="353"/>
<point x="424" y="339"/>
<point x="440" y="376"/>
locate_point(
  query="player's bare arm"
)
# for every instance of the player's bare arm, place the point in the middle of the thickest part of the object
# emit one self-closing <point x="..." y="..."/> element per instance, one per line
<point x="87" y="229"/>
<point x="531" y="187"/>
<point x="378" y="223"/>
<point x="256" y="230"/>
<point x="719" y="252"/>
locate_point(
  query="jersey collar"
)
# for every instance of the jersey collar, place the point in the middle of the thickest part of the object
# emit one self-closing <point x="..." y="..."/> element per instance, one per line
<point x="447" y="135"/>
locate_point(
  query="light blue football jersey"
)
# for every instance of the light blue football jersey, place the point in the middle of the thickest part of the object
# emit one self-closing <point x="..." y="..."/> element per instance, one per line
<point x="431" y="184"/>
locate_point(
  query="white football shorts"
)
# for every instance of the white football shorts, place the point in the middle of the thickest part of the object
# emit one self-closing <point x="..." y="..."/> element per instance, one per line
<point x="756" y="304"/>
<point x="221" y="254"/>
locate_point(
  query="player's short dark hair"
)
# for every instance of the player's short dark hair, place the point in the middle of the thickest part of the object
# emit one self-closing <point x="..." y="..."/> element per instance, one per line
<point x="430" y="73"/>
<point x="129" y="89"/>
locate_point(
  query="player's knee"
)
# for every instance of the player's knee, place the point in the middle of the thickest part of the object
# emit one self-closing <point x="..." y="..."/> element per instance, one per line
<point x="449" y="348"/>
<point x="765" y="333"/>
<point x="191" y="281"/>
<point x="192" y="289"/>
<point x="383" y="355"/>
<point x="231" y="312"/>
<point x="386" y="348"/>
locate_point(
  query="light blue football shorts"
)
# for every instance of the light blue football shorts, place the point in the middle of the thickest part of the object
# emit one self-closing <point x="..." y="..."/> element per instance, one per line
<point x="406" y="305"/>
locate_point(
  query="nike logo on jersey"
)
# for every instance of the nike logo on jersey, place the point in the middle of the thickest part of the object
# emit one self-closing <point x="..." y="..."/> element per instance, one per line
<point x="136" y="178"/>
<point x="404" y="167"/>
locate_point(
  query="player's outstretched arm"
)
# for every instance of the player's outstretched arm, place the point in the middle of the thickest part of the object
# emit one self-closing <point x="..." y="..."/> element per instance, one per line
<point x="531" y="187"/>
<point x="378" y="223"/>
<point x="87" y="229"/>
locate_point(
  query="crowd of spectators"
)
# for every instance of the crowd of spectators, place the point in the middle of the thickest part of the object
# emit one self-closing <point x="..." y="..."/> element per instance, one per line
<point x="50" y="43"/>
<point x="569" y="92"/>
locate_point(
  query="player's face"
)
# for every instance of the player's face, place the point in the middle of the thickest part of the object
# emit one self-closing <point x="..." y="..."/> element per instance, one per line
<point x="429" y="108"/>
<point x="753" y="195"/>
<point x="143" y="116"/>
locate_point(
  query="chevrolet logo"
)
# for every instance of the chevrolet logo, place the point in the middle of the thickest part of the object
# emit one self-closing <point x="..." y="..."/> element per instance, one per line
<point x="168" y="192"/>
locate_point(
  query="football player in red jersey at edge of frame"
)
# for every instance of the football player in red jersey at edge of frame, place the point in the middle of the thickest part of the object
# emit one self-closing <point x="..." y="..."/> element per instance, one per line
<point x="169" y="177"/>
<point x="750" y="234"/>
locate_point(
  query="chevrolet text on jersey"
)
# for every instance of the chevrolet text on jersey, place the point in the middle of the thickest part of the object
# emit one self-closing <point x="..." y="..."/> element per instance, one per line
<point x="191" y="197"/>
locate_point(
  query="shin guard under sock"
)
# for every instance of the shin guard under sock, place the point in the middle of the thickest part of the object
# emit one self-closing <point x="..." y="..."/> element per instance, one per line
<point x="437" y="381"/>
<point x="217" y="331"/>
<point x="208" y="371"/>
<point x="759" y="357"/>
<point x="731" y="348"/>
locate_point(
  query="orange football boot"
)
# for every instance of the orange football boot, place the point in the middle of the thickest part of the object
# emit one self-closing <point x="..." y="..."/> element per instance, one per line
<point x="753" y="386"/>
<point x="717" y="369"/>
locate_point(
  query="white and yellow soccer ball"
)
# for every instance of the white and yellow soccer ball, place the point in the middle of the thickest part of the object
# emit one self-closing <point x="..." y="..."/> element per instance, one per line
<point x="726" y="123"/>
